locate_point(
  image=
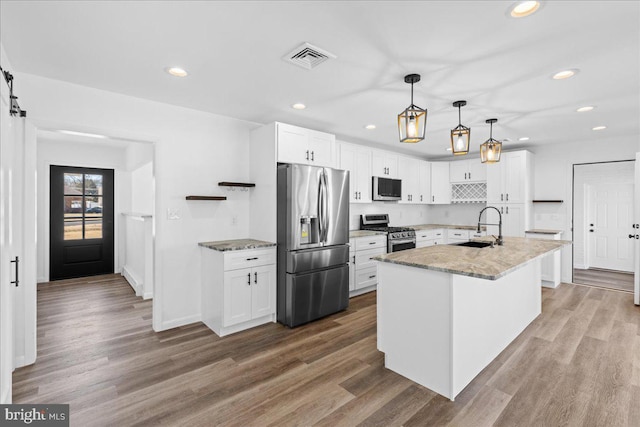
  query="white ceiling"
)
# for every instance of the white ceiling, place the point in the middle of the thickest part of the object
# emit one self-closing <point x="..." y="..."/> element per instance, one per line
<point x="468" y="50"/>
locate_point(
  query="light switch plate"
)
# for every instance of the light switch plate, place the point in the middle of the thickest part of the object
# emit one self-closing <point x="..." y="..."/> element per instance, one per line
<point x="173" y="213"/>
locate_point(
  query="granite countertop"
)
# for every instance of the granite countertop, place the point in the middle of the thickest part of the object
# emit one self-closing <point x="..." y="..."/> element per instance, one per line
<point x="543" y="231"/>
<point x="485" y="263"/>
<point x="449" y="226"/>
<point x="236" y="245"/>
<point x="364" y="233"/>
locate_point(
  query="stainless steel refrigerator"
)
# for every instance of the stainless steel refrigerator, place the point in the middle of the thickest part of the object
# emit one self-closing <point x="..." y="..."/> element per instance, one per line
<point x="313" y="237"/>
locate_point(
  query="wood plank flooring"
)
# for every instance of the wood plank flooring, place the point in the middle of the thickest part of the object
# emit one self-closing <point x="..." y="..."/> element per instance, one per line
<point x="577" y="364"/>
<point x="604" y="278"/>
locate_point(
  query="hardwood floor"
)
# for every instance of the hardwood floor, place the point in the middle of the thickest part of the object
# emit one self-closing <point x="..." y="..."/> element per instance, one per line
<point x="604" y="278"/>
<point x="577" y="364"/>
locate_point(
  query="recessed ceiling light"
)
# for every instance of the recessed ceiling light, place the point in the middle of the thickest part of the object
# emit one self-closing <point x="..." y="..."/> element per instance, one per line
<point x="298" y="106"/>
<point x="370" y="127"/>
<point x="599" y="128"/>
<point x="524" y="138"/>
<point x="90" y="135"/>
<point x="177" y="72"/>
<point x="524" y="8"/>
<point x="585" y="109"/>
<point x="565" y="74"/>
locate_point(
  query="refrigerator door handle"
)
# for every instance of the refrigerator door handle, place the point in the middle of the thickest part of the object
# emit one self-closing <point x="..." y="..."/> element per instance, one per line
<point x="323" y="206"/>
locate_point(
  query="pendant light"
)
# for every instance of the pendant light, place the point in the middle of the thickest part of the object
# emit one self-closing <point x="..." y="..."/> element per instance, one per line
<point x="412" y="121"/>
<point x="460" y="135"/>
<point x="490" y="149"/>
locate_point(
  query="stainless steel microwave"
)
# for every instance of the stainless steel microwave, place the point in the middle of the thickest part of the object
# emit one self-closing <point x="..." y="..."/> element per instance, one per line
<point x="386" y="189"/>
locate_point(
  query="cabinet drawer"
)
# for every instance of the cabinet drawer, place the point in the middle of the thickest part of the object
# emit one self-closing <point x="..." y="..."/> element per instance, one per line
<point x="475" y="235"/>
<point x="235" y="260"/>
<point x="422" y="235"/>
<point x="363" y="258"/>
<point x="370" y="242"/>
<point x="366" y="277"/>
<point x="454" y="234"/>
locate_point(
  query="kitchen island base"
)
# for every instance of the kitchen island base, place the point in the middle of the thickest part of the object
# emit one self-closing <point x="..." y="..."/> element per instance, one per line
<point x="441" y="329"/>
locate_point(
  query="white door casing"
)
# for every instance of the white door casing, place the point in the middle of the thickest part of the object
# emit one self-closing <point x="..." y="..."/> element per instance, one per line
<point x="610" y="210"/>
<point x="636" y="230"/>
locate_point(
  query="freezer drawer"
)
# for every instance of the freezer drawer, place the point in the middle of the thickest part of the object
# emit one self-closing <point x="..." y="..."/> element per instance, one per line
<point x="313" y="259"/>
<point x="313" y="295"/>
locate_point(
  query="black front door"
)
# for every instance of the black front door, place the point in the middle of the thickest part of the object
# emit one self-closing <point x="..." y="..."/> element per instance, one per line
<point x="81" y="222"/>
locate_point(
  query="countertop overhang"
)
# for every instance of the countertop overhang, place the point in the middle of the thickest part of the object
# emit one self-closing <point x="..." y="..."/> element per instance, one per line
<point x="489" y="263"/>
<point x="236" y="244"/>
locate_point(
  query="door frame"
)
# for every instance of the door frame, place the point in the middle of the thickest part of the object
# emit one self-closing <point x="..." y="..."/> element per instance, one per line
<point x="573" y="204"/>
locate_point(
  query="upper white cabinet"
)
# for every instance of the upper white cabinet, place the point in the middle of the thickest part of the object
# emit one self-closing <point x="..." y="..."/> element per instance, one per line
<point x="424" y="182"/>
<point x="357" y="160"/>
<point x="510" y="180"/>
<point x="440" y="185"/>
<point x="409" y="173"/>
<point x="304" y="146"/>
<point x="384" y="164"/>
<point x="464" y="171"/>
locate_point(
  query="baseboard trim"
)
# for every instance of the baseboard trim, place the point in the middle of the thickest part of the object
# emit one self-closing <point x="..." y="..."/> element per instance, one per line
<point x="175" y="323"/>
<point x="147" y="295"/>
<point x="133" y="280"/>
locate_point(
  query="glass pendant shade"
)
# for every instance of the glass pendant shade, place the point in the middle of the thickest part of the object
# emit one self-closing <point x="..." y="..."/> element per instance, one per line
<point x="491" y="149"/>
<point x="460" y="135"/>
<point x="412" y="122"/>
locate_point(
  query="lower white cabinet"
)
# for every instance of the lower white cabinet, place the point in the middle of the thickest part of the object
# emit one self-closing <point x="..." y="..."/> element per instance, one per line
<point x="431" y="237"/>
<point x="363" y="270"/>
<point x="238" y="289"/>
<point x="455" y="235"/>
<point x="551" y="263"/>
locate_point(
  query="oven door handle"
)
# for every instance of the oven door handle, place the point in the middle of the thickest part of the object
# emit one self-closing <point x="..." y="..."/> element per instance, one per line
<point x="400" y="242"/>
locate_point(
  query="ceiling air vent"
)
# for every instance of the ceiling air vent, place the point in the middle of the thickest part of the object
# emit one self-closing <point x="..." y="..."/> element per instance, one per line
<point x="308" y="56"/>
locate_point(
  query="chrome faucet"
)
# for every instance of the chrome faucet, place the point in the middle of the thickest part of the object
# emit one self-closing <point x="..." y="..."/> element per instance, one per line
<point x="499" y="240"/>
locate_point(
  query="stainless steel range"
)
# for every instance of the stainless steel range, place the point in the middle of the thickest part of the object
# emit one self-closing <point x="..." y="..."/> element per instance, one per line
<point x="398" y="238"/>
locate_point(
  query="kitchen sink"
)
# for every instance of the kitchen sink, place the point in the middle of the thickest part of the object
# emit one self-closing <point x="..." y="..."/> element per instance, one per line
<point x="474" y="244"/>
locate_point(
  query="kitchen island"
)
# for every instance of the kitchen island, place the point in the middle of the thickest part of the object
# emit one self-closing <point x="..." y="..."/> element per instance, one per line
<point x="446" y="311"/>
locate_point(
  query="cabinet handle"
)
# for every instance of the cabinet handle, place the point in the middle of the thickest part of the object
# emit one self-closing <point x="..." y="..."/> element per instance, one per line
<point x="465" y="175"/>
<point x="501" y="197"/>
<point x="252" y="259"/>
<point x="501" y="209"/>
<point x="372" y="243"/>
<point x="372" y="277"/>
<point x="354" y="259"/>
<point x="16" y="262"/>
<point x="433" y="198"/>
<point x="249" y="279"/>
<point x="307" y="154"/>
<point x="507" y="210"/>
<point x="312" y="157"/>
<point x="355" y="195"/>
<point x="255" y="277"/>
<point x="469" y="175"/>
<point x="421" y="197"/>
<point x="507" y="197"/>
<point x="359" y="195"/>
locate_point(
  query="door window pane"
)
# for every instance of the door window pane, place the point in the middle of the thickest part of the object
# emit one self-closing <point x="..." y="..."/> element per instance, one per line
<point x="72" y="227"/>
<point x="93" y="206"/>
<point x="93" y="228"/>
<point x="72" y="205"/>
<point x="72" y="183"/>
<point x="93" y="184"/>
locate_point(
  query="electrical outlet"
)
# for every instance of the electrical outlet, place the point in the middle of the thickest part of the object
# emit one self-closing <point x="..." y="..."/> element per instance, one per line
<point x="173" y="213"/>
<point x="234" y="220"/>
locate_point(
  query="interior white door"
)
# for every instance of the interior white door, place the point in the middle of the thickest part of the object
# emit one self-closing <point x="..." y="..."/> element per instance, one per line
<point x="7" y="125"/>
<point x="636" y="228"/>
<point x="610" y="214"/>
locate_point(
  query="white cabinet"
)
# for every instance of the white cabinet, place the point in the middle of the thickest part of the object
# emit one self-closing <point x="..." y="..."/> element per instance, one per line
<point x="409" y="173"/>
<point x="363" y="270"/>
<point x="440" y="186"/>
<point x="455" y="235"/>
<point x="510" y="180"/>
<point x="551" y="263"/>
<point x="424" y="183"/>
<point x="430" y="237"/>
<point x="304" y="146"/>
<point x="467" y="171"/>
<point x="238" y="289"/>
<point x="515" y="219"/>
<point x="357" y="160"/>
<point x="384" y="164"/>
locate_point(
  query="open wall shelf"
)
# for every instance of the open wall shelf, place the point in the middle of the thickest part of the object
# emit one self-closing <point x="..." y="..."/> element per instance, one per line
<point x="548" y="201"/>
<point x="206" y="198"/>
<point x="236" y="184"/>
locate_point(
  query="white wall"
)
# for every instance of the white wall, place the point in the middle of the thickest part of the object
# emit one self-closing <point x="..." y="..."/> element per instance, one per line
<point x="193" y="151"/>
<point x="63" y="153"/>
<point x="553" y="175"/>
<point x="142" y="189"/>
